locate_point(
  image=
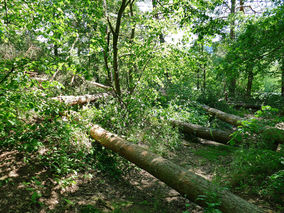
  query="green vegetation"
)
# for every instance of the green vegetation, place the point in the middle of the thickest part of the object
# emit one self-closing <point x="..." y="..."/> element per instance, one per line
<point x="154" y="64"/>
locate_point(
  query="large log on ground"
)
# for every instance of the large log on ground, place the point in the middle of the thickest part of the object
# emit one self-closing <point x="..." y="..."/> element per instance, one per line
<point x="272" y="133"/>
<point x="203" y="132"/>
<point x="73" y="100"/>
<point x="185" y="182"/>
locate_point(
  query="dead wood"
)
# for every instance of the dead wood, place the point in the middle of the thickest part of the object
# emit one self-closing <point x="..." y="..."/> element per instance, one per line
<point x="272" y="133"/>
<point x="84" y="99"/>
<point x="183" y="181"/>
<point x="203" y="132"/>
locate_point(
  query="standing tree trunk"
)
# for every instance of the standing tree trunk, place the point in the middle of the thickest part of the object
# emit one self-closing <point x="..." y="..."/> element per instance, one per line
<point x="198" y="79"/>
<point x="106" y="47"/>
<point x="56" y="50"/>
<point x="132" y="35"/>
<point x="6" y="13"/>
<point x="115" y="33"/>
<point x="282" y="86"/>
<point x="250" y="80"/>
<point x="204" y="78"/>
<point x="185" y="182"/>
<point x="232" y="79"/>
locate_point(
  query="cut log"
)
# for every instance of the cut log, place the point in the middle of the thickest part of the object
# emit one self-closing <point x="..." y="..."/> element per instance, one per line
<point x="84" y="99"/>
<point x="203" y="132"/>
<point x="272" y="133"/>
<point x="229" y="118"/>
<point x="185" y="182"/>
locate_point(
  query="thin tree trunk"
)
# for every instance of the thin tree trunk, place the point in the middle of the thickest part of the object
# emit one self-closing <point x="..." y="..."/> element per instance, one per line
<point x="6" y="13"/>
<point x="115" y="33"/>
<point x="204" y="78"/>
<point x="232" y="79"/>
<point x="282" y="86"/>
<point x="185" y="182"/>
<point x="106" y="47"/>
<point x="198" y="79"/>
<point x="249" y="84"/>
<point x="132" y="35"/>
<point x="56" y="50"/>
<point x="242" y="6"/>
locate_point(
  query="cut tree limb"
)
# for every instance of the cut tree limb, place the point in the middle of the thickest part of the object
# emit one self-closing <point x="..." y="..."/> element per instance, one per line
<point x="73" y="100"/>
<point x="185" y="182"/>
<point x="203" y="132"/>
<point x="100" y="85"/>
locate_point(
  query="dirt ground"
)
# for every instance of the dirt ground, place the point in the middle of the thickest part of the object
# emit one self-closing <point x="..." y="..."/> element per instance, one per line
<point x="27" y="187"/>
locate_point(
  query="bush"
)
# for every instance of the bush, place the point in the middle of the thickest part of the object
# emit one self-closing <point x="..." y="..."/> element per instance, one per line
<point x="257" y="171"/>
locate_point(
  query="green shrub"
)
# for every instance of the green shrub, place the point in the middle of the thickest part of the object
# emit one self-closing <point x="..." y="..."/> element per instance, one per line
<point x="257" y="171"/>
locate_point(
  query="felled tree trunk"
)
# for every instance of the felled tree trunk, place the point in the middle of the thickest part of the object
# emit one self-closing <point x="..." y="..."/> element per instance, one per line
<point x="185" y="182"/>
<point x="203" y="132"/>
<point x="73" y="100"/>
<point x="271" y="133"/>
<point x="229" y="118"/>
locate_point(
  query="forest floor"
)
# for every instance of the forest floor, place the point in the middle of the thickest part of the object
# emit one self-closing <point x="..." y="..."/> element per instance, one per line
<point x="27" y="187"/>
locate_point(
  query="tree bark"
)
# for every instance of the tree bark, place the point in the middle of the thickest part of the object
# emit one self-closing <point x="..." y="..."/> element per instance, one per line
<point x="249" y="84"/>
<point x="185" y="182"/>
<point x="271" y="133"/>
<point x="115" y="33"/>
<point x="203" y="132"/>
<point x="232" y="80"/>
<point x="204" y="78"/>
<point x="282" y="85"/>
<point x="84" y="99"/>
<point x="229" y="118"/>
<point x="132" y="36"/>
<point x="198" y="77"/>
<point x="106" y="47"/>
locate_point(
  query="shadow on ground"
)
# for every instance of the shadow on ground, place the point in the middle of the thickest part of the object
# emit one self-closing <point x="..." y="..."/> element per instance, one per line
<point x="29" y="187"/>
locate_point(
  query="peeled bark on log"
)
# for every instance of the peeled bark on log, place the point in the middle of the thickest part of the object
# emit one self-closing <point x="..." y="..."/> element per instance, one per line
<point x="203" y="132"/>
<point x="73" y="100"/>
<point x="185" y="182"/>
<point x="272" y="133"/>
